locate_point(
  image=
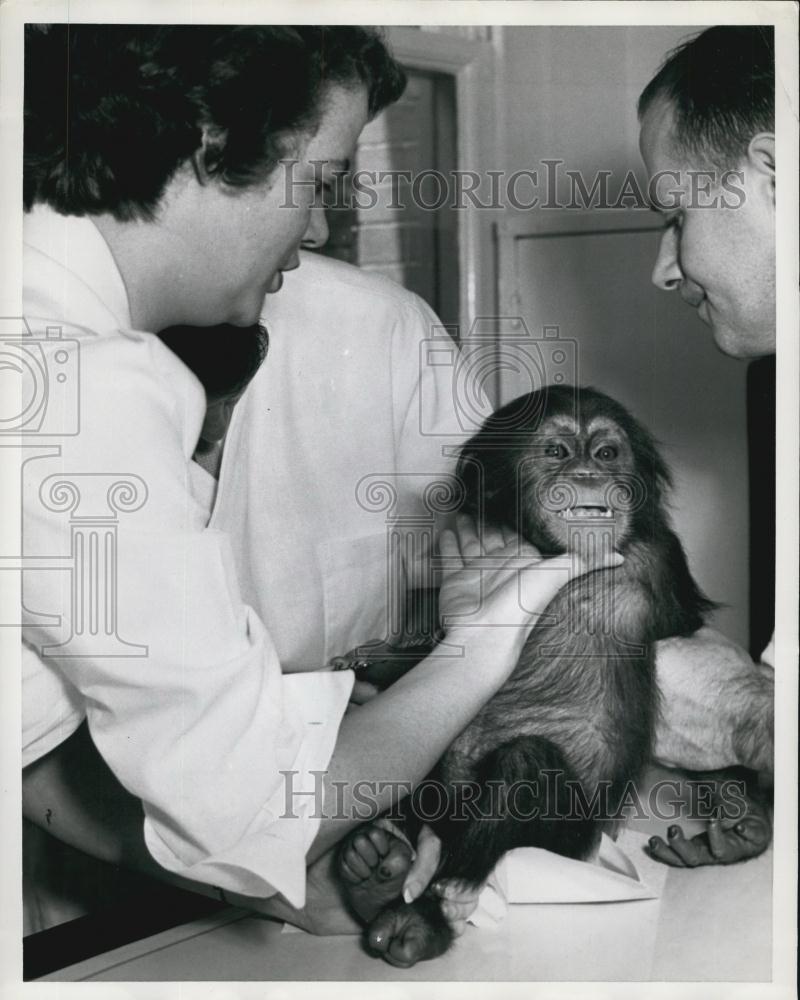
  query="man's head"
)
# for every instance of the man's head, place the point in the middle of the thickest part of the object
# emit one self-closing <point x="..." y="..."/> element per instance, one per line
<point x="707" y="139"/>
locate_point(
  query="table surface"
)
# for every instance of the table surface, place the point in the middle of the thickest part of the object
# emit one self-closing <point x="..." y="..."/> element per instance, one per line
<point x="710" y="924"/>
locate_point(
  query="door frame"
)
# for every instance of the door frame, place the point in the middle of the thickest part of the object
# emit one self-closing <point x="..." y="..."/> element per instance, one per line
<point x="470" y="63"/>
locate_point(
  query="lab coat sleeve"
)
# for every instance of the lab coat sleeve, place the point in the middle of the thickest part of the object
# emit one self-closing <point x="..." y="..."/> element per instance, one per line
<point x="182" y="687"/>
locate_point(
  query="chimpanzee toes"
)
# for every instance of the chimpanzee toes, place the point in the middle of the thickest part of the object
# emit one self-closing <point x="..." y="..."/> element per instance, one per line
<point x="373" y="865"/>
<point x="403" y="935"/>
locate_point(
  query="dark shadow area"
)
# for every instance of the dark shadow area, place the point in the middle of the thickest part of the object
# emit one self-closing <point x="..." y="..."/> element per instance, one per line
<point x="761" y="458"/>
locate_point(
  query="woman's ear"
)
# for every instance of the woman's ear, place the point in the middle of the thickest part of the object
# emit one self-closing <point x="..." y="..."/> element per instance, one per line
<point x="761" y="157"/>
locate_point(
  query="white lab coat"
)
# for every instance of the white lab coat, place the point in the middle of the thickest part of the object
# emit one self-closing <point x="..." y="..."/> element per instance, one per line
<point x="199" y="722"/>
<point x="200" y="727"/>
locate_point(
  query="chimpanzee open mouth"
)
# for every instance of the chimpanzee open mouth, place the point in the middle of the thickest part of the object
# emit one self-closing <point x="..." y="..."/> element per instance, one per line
<point x="585" y="512"/>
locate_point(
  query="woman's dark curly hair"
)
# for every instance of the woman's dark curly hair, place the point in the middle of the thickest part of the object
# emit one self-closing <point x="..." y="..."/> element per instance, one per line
<point x="112" y="111"/>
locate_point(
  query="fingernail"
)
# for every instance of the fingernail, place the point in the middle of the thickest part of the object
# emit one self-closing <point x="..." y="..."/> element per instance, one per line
<point x="653" y="842"/>
<point x="673" y="831"/>
<point x="409" y="894"/>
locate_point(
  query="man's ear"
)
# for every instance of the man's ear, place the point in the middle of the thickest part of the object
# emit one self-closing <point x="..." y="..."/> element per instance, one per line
<point x="761" y="157"/>
<point x="208" y="154"/>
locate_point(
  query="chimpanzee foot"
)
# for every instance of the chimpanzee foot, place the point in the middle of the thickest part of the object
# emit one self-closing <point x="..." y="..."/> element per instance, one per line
<point x="373" y="865"/>
<point x="407" y="933"/>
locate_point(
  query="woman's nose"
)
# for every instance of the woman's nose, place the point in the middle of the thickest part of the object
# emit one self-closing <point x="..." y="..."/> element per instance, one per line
<point x="316" y="235"/>
<point x="667" y="272"/>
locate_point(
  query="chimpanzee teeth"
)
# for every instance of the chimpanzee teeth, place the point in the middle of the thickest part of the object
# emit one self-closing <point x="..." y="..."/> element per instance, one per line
<point x="585" y="512"/>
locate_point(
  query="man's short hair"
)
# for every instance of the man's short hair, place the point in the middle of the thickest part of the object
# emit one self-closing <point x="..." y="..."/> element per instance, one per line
<point x="112" y="111"/>
<point x="721" y="86"/>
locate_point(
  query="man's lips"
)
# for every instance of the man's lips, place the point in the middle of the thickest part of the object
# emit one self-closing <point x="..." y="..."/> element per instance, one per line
<point x="691" y="297"/>
<point x="697" y="300"/>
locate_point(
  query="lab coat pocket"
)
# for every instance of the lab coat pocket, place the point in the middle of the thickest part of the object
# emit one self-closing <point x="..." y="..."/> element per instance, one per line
<point x="357" y="591"/>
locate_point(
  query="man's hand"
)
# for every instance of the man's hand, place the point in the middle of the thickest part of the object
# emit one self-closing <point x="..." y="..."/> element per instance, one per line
<point x="717" y="706"/>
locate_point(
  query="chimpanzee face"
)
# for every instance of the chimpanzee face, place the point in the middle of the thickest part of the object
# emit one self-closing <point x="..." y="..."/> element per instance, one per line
<point x="575" y="484"/>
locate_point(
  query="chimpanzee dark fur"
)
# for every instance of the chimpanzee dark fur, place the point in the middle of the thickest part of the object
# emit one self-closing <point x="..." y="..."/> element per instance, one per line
<point x="547" y="760"/>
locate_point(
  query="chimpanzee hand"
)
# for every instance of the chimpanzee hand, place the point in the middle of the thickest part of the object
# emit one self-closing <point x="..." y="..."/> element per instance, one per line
<point x="725" y="842"/>
<point x="716" y="705"/>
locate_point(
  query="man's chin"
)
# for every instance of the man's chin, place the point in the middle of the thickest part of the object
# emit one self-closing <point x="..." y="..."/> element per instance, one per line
<point x="745" y="345"/>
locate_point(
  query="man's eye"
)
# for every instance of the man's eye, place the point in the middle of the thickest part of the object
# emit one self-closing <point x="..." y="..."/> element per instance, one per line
<point x="555" y="451"/>
<point x="607" y="453"/>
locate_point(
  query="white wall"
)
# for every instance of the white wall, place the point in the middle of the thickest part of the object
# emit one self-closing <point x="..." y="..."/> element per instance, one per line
<point x="570" y="93"/>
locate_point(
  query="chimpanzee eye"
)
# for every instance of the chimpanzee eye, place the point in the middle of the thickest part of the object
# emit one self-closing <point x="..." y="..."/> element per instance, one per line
<point x="555" y="451"/>
<point x="607" y="453"/>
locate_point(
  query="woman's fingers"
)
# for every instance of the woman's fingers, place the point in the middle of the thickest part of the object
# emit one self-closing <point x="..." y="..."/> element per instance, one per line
<point x="384" y="823"/>
<point x="459" y="901"/>
<point x="456" y="890"/>
<point x="468" y="540"/>
<point x="423" y="868"/>
<point x="363" y="692"/>
<point x="449" y="548"/>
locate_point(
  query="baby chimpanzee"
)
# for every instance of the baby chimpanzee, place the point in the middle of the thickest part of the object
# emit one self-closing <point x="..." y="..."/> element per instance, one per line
<point x="547" y="760"/>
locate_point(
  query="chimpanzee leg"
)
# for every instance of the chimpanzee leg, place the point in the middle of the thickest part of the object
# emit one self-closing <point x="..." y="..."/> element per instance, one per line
<point x="519" y="797"/>
<point x="526" y="799"/>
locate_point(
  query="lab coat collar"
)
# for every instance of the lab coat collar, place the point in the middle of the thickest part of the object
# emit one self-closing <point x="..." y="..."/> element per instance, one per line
<point x="77" y="244"/>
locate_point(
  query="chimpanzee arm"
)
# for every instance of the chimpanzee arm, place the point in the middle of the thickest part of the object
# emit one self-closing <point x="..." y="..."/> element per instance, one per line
<point x="717" y="706"/>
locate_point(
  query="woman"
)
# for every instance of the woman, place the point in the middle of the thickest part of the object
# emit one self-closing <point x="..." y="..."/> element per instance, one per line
<point x="160" y="199"/>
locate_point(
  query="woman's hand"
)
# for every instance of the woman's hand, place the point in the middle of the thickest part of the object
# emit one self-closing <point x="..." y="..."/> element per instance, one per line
<point x="499" y="579"/>
<point x="458" y="900"/>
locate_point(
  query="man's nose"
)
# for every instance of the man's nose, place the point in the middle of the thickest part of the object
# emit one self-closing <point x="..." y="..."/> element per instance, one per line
<point x="667" y="270"/>
<point x="316" y="235"/>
